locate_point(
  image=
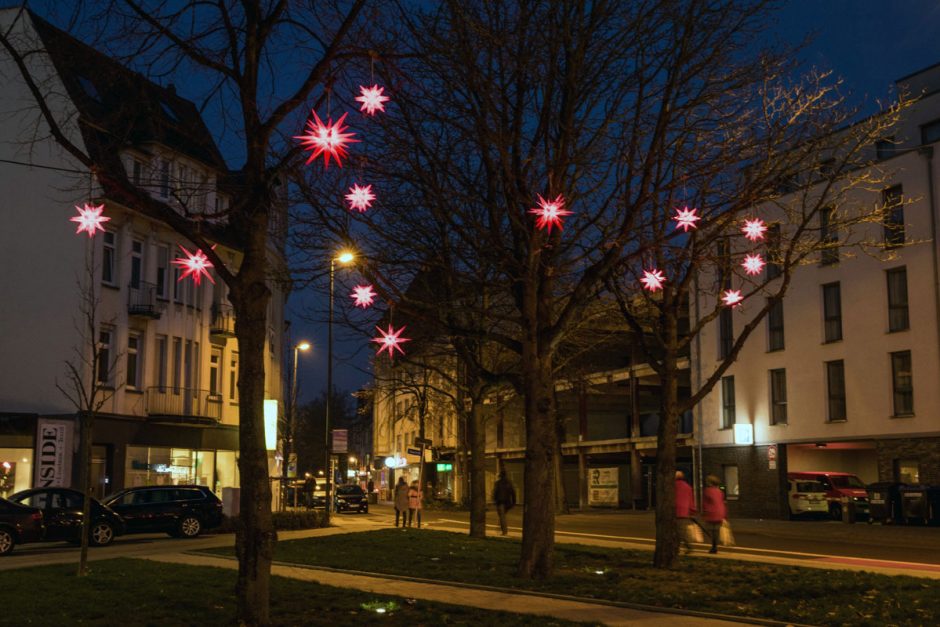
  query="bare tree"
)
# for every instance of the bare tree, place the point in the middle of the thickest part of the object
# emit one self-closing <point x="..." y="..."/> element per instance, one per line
<point x="239" y="51"/>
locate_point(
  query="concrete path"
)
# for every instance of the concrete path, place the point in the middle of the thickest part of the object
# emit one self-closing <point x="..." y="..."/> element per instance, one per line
<point x="459" y="595"/>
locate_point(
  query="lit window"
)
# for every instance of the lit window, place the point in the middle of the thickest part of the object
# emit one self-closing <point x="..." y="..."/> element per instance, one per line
<point x="732" y="485"/>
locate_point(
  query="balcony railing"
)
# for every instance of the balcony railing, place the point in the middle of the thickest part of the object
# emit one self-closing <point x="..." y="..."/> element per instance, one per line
<point x="184" y="403"/>
<point x="223" y="321"/>
<point x="142" y="300"/>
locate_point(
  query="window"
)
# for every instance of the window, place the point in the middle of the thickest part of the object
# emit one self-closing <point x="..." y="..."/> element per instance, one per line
<point x="233" y="378"/>
<point x="107" y="258"/>
<point x="778" y="396"/>
<point x="732" y="485"/>
<point x="832" y="312"/>
<point x="179" y="289"/>
<point x="137" y="174"/>
<point x="134" y="360"/>
<point x="164" y="178"/>
<point x="725" y="332"/>
<point x="137" y="263"/>
<point x="161" y="362"/>
<point x="105" y="337"/>
<point x="215" y="372"/>
<point x="727" y="402"/>
<point x="902" y="383"/>
<point x="893" y="200"/>
<point x="835" y="387"/>
<point x="884" y="148"/>
<point x="930" y="132"/>
<point x="724" y="264"/>
<point x="775" y="327"/>
<point x="773" y="267"/>
<point x="163" y="272"/>
<point x="828" y="237"/>
<point x="906" y="471"/>
<point x="177" y="364"/>
<point x="897" y="299"/>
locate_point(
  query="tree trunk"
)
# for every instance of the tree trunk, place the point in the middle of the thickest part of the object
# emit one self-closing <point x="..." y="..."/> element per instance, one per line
<point x="477" y="467"/>
<point x="255" y="536"/>
<point x="538" y="522"/>
<point x="85" y="445"/>
<point x="667" y="537"/>
<point x="561" y="498"/>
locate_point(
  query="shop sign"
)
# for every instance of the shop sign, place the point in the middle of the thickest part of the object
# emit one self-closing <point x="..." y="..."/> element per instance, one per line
<point x="604" y="488"/>
<point x="743" y="433"/>
<point x="445" y="467"/>
<point x="270" y="424"/>
<point x="395" y="462"/>
<point x="340" y="440"/>
<point x="53" y="453"/>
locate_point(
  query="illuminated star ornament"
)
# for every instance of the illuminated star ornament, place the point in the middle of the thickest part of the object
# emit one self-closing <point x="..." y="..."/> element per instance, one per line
<point x="752" y="264"/>
<point x="363" y="295"/>
<point x="89" y="219"/>
<point x="754" y="229"/>
<point x="550" y="212"/>
<point x="685" y="219"/>
<point x="360" y="198"/>
<point x="372" y="99"/>
<point x="732" y="298"/>
<point x="390" y="341"/>
<point x="195" y="265"/>
<point x="327" y="139"/>
<point x="652" y="280"/>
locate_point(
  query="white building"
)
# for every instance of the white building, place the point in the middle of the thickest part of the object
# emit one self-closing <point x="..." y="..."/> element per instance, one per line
<point x="172" y="413"/>
<point x="844" y="377"/>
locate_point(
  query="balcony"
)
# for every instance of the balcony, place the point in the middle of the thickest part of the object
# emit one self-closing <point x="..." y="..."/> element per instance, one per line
<point x="142" y="301"/>
<point x="184" y="405"/>
<point x="223" y="322"/>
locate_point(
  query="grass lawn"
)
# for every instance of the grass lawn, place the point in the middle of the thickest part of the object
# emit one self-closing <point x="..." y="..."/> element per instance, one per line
<point x="804" y="595"/>
<point x="138" y="592"/>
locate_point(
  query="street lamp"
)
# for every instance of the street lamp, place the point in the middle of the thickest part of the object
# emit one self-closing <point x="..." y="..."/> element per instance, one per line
<point x="344" y="257"/>
<point x="301" y="346"/>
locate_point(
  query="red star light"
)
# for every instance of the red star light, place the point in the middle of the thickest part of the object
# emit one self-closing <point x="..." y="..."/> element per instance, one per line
<point x="732" y="298"/>
<point x="89" y="219"/>
<point x="360" y="198"/>
<point x="326" y="139"/>
<point x="372" y="99"/>
<point x="363" y="295"/>
<point x="754" y="229"/>
<point x="195" y="265"/>
<point x="652" y="280"/>
<point x="390" y="341"/>
<point x="550" y="213"/>
<point x="752" y="264"/>
<point x="685" y="219"/>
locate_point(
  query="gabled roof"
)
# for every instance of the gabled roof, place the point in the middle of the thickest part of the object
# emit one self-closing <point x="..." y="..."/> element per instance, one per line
<point x="123" y="109"/>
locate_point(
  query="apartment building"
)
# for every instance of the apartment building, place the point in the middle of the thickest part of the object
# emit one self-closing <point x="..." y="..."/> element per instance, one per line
<point x="845" y="375"/>
<point x="169" y="360"/>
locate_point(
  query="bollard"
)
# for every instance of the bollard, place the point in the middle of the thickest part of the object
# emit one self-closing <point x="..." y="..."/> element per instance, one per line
<point x="848" y="510"/>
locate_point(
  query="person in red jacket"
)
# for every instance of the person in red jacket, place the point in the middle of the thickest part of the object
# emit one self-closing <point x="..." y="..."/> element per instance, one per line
<point x="713" y="508"/>
<point x="685" y="507"/>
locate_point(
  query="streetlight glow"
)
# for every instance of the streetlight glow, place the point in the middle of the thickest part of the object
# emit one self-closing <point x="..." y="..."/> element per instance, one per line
<point x="345" y="257"/>
<point x="303" y="346"/>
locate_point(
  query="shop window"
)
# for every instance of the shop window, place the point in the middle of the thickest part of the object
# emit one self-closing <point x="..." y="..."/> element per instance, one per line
<point x="732" y="487"/>
<point x="16" y="470"/>
<point x="906" y="471"/>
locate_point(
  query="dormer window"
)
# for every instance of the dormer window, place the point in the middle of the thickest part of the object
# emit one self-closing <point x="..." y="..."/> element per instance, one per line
<point x="89" y="88"/>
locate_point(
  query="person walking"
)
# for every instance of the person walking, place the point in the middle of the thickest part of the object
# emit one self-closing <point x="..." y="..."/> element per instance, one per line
<point x="713" y="509"/>
<point x="504" y="495"/>
<point x="685" y="507"/>
<point x="401" y="501"/>
<point x="415" y="498"/>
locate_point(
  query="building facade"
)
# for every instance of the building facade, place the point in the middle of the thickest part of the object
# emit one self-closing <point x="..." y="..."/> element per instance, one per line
<point x="845" y="375"/>
<point x="168" y="360"/>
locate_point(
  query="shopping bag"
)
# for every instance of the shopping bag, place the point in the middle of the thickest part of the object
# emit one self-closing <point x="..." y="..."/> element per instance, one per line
<point x="694" y="532"/>
<point x="725" y="537"/>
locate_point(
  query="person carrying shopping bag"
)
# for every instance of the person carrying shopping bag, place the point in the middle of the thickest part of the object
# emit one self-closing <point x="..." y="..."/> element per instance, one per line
<point x="401" y="501"/>
<point x="714" y="511"/>
<point x="685" y="507"/>
<point x="415" y="498"/>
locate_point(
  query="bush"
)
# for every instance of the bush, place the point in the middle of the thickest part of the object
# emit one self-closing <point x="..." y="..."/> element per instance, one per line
<point x="283" y="521"/>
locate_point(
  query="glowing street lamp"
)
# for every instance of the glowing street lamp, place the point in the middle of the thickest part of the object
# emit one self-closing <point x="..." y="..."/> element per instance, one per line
<point x="301" y="346"/>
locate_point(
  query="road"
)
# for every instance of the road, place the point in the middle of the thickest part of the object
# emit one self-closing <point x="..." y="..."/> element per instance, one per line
<point x="801" y="540"/>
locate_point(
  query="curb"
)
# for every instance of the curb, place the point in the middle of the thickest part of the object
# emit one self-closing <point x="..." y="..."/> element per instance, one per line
<point x="547" y="595"/>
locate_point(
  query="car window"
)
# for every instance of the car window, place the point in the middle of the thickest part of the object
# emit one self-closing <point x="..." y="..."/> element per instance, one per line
<point x="64" y="500"/>
<point x="848" y="482"/>
<point x="810" y="486"/>
<point x="349" y="489"/>
<point x="40" y="500"/>
<point x="188" y="495"/>
<point x="825" y="482"/>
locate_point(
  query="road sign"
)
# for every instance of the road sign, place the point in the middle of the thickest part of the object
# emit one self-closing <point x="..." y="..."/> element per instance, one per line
<point x="422" y="442"/>
<point x="340" y="438"/>
<point x="414" y="451"/>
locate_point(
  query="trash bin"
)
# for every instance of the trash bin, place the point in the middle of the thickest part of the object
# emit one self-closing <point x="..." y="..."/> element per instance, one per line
<point x="884" y="502"/>
<point x="915" y="507"/>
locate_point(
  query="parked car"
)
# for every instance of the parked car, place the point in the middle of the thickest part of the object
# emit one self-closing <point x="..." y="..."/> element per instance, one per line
<point x="838" y="486"/>
<point x="349" y="498"/>
<point x="179" y="510"/>
<point x="19" y="524"/>
<point x="806" y="498"/>
<point x="62" y="515"/>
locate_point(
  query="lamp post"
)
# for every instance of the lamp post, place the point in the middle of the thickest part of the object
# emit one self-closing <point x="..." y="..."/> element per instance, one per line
<point x="292" y="424"/>
<point x="344" y="258"/>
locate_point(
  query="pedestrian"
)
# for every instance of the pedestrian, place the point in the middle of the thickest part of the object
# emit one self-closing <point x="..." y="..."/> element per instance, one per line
<point x="504" y="495"/>
<point x="713" y="509"/>
<point x="310" y="487"/>
<point x="370" y="487"/>
<point x="685" y="507"/>
<point x="401" y="501"/>
<point x="415" y="498"/>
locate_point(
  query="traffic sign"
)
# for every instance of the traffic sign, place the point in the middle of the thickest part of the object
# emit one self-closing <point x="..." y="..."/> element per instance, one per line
<point x="423" y="441"/>
<point x="413" y="451"/>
